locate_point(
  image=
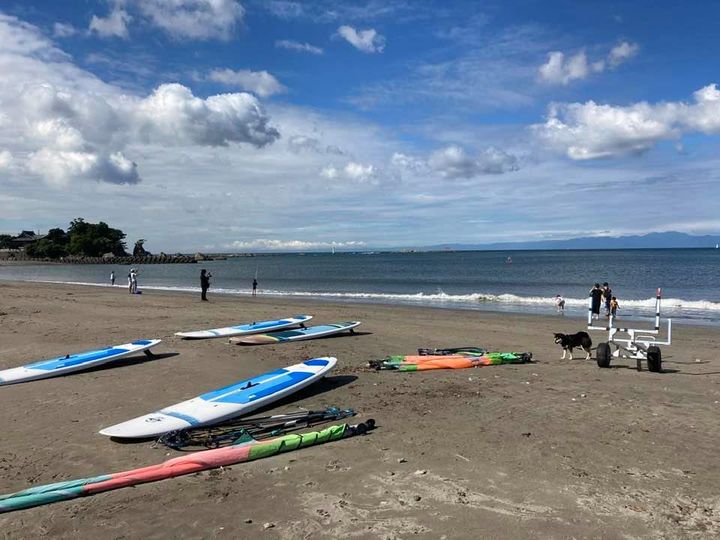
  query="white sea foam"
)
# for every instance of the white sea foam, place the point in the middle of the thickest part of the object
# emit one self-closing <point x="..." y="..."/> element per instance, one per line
<point x="442" y="298"/>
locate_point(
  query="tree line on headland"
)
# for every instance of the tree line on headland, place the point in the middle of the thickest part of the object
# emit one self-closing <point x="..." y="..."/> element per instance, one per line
<point x="82" y="239"/>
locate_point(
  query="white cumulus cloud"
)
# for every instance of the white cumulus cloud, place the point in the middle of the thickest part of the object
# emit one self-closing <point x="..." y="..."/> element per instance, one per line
<point x="367" y="41"/>
<point x="180" y="19"/>
<point x="453" y="162"/>
<point x="6" y="159"/>
<point x="60" y="167"/>
<point x="114" y="25"/>
<point x="298" y="46"/>
<point x="63" y="30"/>
<point x="622" y="52"/>
<point x="563" y="69"/>
<point x="591" y="130"/>
<point x="353" y="172"/>
<point x="62" y="124"/>
<point x="172" y="113"/>
<point x="195" y="19"/>
<point x="261" y="83"/>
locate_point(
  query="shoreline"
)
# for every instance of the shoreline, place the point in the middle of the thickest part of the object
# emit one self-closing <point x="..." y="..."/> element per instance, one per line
<point x="577" y="310"/>
<point x="556" y="448"/>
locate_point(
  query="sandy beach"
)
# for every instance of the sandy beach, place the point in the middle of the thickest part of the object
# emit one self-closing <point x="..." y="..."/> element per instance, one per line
<point x="554" y="449"/>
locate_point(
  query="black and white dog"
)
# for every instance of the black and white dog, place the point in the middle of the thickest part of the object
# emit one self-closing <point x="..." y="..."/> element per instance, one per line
<point x="569" y="341"/>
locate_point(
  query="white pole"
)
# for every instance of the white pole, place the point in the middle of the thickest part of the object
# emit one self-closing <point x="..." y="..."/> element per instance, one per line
<point x="657" y="308"/>
<point x="590" y="299"/>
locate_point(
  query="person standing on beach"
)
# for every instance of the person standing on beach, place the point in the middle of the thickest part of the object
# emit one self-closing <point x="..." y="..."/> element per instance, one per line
<point x="133" y="281"/>
<point x="130" y="274"/>
<point x="112" y="278"/>
<point x="204" y="284"/>
<point x="607" y="297"/>
<point x="254" y="287"/>
<point x="560" y="304"/>
<point x="596" y="294"/>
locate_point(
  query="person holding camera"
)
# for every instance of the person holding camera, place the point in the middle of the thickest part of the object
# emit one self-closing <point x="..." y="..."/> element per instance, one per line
<point x="204" y="283"/>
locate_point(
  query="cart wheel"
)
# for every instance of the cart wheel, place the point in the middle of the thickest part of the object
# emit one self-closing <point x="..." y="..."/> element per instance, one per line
<point x="654" y="359"/>
<point x="602" y="355"/>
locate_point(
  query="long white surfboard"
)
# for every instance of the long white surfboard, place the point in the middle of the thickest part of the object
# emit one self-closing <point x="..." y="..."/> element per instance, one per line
<point x="246" y="329"/>
<point x="235" y="400"/>
<point x="74" y="362"/>
<point x="311" y="332"/>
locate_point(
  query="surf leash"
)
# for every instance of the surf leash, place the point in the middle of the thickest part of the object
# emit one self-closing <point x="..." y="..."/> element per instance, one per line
<point x="426" y="363"/>
<point x="247" y="449"/>
<point x="227" y="433"/>
<point x="470" y="351"/>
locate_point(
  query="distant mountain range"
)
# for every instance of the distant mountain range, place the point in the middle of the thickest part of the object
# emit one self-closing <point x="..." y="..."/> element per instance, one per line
<point x="656" y="240"/>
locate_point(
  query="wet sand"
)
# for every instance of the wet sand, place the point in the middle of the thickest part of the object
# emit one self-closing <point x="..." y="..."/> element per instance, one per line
<point x="554" y="449"/>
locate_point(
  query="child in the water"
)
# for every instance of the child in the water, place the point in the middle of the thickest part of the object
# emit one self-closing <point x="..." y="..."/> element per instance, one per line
<point x="614" y="306"/>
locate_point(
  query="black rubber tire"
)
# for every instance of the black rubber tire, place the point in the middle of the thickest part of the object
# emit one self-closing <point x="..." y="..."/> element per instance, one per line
<point x="603" y="355"/>
<point x="654" y="359"/>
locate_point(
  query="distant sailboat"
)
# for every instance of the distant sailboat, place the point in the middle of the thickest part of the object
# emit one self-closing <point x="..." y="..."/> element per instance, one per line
<point x="333" y="249"/>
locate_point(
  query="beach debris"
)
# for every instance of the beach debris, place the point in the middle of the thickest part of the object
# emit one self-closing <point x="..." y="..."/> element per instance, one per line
<point x="456" y="361"/>
<point x="261" y="427"/>
<point x="402" y="460"/>
<point x="248" y="521"/>
<point x="420" y="472"/>
<point x="247" y="449"/>
<point x="268" y="525"/>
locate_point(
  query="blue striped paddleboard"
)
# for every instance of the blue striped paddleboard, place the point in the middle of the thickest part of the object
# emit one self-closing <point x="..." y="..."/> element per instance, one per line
<point x="230" y="401"/>
<point x="311" y="332"/>
<point x="246" y="329"/>
<point x="74" y="362"/>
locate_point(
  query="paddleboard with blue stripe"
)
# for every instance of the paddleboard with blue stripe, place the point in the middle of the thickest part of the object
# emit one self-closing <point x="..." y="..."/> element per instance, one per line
<point x="246" y="329"/>
<point x="311" y="332"/>
<point x="73" y="362"/>
<point x="230" y="401"/>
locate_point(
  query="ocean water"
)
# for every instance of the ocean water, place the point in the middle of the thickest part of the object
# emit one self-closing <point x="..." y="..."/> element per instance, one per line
<point x="479" y="280"/>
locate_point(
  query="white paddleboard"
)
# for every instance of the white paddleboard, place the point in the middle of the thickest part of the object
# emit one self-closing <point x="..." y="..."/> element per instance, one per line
<point x="246" y="329"/>
<point x="235" y="400"/>
<point x="73" y="362"/>
<point x="311" y="332"/>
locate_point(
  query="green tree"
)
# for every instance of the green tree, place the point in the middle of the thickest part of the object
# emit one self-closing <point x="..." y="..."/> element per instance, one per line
<point x="94" y="239"/>
<point x="53" y="246"/>
<point x="5" y="241"/>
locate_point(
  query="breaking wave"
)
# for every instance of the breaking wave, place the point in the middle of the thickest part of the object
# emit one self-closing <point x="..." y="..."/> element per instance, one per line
<point x="670" y="306"/>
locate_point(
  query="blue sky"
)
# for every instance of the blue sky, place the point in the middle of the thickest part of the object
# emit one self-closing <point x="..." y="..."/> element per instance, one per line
<point x="245" y="125"/>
